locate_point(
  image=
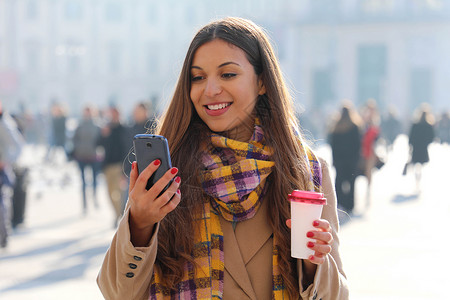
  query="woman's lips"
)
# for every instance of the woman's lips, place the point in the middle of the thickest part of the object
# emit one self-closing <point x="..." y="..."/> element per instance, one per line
<point x="217" y="109"/>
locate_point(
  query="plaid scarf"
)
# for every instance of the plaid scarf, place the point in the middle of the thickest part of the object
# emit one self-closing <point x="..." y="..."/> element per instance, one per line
<point x="235" y="180"/>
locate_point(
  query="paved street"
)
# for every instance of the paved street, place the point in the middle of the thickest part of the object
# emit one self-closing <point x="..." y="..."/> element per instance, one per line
<point x="397" y="248"/>
<point x="393" y="247"/>
<point x="56" y="254"/>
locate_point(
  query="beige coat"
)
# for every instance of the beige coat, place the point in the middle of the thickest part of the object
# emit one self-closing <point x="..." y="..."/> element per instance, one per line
<point x="126" y="271"/>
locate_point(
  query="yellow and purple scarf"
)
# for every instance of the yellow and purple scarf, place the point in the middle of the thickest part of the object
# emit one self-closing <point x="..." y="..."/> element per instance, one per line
<point x="234" y="178"/>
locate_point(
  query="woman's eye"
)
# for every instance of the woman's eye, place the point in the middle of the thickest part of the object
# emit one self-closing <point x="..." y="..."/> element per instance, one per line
<point x="228" y="75"/>
<point x="196" y="78"/>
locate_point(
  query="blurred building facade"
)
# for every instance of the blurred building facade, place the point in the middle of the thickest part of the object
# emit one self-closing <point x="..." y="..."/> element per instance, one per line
<point x="395" y="51"/>
<point x="102" y="51"/>
<point x="85" y="51"/>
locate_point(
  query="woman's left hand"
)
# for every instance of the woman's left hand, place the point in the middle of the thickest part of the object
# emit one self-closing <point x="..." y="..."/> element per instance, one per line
<point x="323" y="240"/>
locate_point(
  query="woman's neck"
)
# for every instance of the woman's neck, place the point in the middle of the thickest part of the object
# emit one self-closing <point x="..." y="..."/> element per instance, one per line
<point x="243" y="132"/>
<point x="240" y="134"/>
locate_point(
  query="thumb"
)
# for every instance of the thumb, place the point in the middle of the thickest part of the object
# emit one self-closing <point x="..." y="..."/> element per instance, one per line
<point x="288" y="223"/>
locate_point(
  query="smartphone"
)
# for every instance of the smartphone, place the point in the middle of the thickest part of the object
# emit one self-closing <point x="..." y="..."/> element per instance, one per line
<point x="147" y="148"/>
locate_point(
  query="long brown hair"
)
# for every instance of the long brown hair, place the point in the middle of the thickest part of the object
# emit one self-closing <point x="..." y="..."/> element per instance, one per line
<point x="186" y="132"/>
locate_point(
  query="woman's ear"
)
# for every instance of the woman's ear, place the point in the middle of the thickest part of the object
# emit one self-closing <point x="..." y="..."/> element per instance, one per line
<point x="262" y="87"/>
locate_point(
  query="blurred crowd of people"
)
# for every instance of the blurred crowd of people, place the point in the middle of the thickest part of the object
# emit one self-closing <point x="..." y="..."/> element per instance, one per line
<point x="99" y="142"/>
<point x="355" y="134"/>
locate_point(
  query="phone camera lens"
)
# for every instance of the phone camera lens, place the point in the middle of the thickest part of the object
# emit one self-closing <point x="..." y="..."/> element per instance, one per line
<point x="149" y="144"/>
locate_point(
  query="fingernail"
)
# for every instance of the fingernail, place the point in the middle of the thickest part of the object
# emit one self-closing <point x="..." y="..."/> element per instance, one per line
<point x="310" y="234"/>
<point x="310" y="244"/>
<point x="174" y="170"/>
<point x="316" y="223"/>
<point x="157" y="162"/>
<point x="311" y="257"/>
<point x="133" y="165"/>
<point x="178" y="191"/>
<point x="178" y="179"/>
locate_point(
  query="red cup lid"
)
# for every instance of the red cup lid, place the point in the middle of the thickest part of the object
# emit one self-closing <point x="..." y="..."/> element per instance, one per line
<point x="307" y="197"/>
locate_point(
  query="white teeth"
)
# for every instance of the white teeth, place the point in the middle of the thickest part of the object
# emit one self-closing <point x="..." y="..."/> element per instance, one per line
<point x="218" y="106"/>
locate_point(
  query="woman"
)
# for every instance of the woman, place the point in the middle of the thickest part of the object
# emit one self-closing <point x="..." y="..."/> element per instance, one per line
<point x="369" y="139"/>
<point x="443" y="128"/>
<point x="421" y="135"/>
<point x="345" y="142"/>
<point x="223" y="233"/>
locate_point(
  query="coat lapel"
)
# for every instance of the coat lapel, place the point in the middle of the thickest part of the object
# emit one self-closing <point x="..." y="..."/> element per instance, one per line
<point x="254" y="233"/>
<point x="242" y="244"/>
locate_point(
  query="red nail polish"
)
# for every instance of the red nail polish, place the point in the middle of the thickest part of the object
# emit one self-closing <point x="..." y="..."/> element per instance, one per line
<point x="310" y="234"/>
<point x="133" y="165"/>
<point x="178" y="191"/>
<point x="311" y="257"/>
<point x="157" y="162"/>
<point x="310" y="244"/>
<point x="174" y="170"/>
<point x="316" y="223"/>
<point x="178" y="179"/>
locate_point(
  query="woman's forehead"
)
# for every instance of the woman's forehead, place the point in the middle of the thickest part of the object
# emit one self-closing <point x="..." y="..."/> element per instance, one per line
<point x="218" y="51"/>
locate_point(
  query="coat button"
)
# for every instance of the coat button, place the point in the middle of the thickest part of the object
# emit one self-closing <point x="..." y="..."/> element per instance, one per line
<point x="132" y="266"/>
<point x="137" y="258"/>
<point x="130" y="274"/>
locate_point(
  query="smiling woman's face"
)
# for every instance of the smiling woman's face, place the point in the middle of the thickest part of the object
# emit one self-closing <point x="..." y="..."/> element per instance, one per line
<point x="225" y="88"/>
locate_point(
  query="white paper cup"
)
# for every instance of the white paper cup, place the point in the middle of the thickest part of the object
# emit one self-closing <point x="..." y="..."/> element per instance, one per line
<point x="306" y="207"/>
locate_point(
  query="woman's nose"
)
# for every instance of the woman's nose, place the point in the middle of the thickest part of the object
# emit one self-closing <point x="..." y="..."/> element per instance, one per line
<point x="212" y="88"/>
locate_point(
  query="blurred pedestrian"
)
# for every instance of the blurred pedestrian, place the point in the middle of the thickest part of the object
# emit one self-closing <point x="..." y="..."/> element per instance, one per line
<point x="58" y="134"/>
<point x="11" y="143"/>
<point x="85" y="153"/>
<point x="391" y="127"/>
<point x="370" y="136"/>
<point x="113" y="140"/>
<point x="345" y="142"/>
<point x="141" y="123"/>
<point x="443" y="128"/>
<point x="20" y="185"/>
<point x="421" y="135"/>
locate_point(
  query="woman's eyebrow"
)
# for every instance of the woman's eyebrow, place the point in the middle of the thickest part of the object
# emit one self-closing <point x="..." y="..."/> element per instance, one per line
<point x="228" y="63"/>
<point x="220" y="66"/>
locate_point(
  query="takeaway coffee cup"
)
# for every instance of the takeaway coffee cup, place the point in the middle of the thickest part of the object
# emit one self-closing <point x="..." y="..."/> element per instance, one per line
<point x="306" y="207"/>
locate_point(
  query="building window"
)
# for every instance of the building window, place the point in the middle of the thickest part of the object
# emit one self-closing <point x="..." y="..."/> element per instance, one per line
<point x="115" y="57"/>
<point x="73" y="10"/>
<point x="325" y="7"/>
<point x="377" y="6"/>
<point x="114" y="12"/>
<point x="31" y="10"/>
<point x="73" y="64"/>
<point x="32" y="51"/>
<point x="420" y="86"/>
<point x="322" y="87"/>
<point x="152" y="58"/>
<point x="372" y="62"/>
<point x="421" y="6"/>
<point x="152" y="14"/>
<point x="190" y="14"/>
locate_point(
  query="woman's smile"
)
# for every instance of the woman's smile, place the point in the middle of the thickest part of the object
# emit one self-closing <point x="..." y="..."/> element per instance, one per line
<point x="217" y="109"/>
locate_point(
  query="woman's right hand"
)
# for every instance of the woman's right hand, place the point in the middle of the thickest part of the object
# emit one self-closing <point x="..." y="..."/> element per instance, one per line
<point x="146" y="208"/>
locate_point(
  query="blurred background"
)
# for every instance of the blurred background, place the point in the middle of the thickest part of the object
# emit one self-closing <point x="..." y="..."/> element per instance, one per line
<point x="79" y="77"/>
